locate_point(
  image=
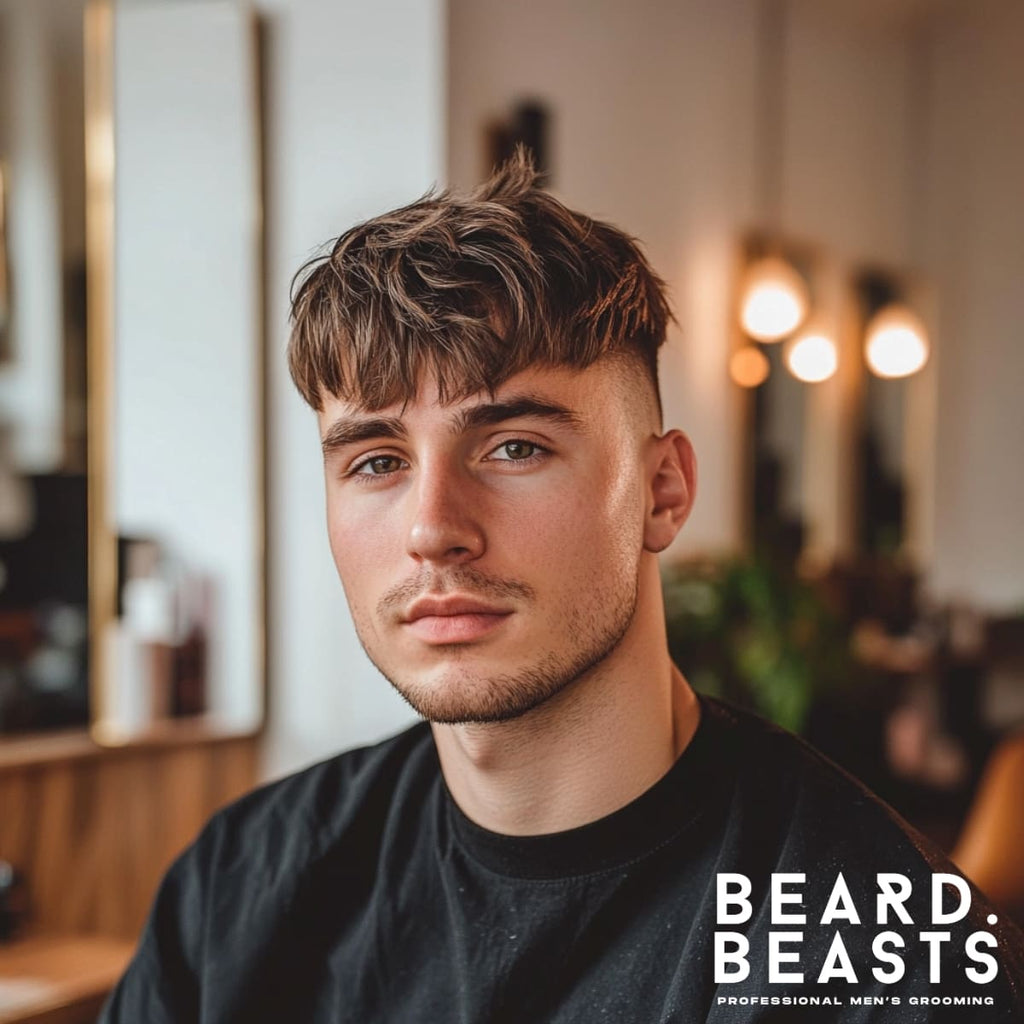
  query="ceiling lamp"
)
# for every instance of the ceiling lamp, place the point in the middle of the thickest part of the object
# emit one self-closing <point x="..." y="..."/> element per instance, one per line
<point x="749" y="366"/>
<point x="812" y="358"/>
<point x="897" y="343"/>
<point x="774" y="300"/>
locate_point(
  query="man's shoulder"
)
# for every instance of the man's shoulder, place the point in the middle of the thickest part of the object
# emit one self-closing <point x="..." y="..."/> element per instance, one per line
<point x="817" y="806"/>
<point x="292" y="819"/>
<point x="826" y="861"/>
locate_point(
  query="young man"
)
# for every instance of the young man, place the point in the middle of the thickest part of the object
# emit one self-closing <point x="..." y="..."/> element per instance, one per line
<point x="573" y="835"/>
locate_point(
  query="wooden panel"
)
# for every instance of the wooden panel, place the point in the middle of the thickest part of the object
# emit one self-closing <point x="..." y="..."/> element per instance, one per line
<point x="95" y="834"/>
<point x="58" y="981"/>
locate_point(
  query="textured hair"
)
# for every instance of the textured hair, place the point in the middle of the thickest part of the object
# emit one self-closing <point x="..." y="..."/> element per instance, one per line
<point x="473" y="289"/>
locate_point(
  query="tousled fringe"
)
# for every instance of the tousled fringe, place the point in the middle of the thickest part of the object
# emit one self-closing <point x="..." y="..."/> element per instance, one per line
<point x="471" y="290"/>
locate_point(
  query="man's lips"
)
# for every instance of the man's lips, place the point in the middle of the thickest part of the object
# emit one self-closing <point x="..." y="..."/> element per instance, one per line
<point x="453" y="618"/>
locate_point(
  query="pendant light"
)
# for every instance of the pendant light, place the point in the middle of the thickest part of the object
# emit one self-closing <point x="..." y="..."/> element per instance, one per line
<point x="812" y="357"/>
<point x="749" y="366"/>
<point x="896" y="343"/>
<point x="774" y="299"/>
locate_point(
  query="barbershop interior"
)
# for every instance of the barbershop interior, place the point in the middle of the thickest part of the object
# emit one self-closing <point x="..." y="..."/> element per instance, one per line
<point x="831" y="190"/>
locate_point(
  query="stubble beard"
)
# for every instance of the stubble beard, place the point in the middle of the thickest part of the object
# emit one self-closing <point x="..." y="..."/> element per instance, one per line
<point x="464" y="695"/>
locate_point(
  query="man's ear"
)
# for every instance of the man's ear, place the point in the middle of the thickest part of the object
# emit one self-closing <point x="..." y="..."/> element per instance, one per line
<point x="672" y="486"/>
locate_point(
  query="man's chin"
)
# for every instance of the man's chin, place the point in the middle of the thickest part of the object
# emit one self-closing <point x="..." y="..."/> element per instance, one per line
<point x="490" y="684"/>
<point x="462" y="698"/>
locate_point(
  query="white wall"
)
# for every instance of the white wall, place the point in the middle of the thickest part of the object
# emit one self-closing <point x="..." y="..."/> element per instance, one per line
<point x="976" y="226"/>
<point x="846" y="163"/>
<point x="356" y="126"/>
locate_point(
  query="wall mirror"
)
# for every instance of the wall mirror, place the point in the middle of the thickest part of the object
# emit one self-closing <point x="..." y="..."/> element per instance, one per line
<point x="839" y="468"/>
<point x="130" y="132"/>
<point x="44" y="636"/>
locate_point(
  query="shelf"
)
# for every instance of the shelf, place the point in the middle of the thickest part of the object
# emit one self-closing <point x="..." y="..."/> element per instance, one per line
<point x="71" y="745"/>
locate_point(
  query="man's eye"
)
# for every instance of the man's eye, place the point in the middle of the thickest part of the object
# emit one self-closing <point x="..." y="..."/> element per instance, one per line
<point x="378" y="465"/>
<point x="515" y="451"/>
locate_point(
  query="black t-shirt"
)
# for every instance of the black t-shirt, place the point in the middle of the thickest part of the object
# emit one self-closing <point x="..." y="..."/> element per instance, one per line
<point x="357" y="891"/>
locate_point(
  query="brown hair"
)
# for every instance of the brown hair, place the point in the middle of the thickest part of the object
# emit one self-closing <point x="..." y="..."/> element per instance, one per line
<point x="474" y="289"/>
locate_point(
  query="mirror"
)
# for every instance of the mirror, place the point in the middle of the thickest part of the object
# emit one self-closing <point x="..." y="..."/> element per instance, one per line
<point x="896" y="435"/>
<point x="131" y="515"/>
<point x="839" y="469"/>
<point x="184" y="492"/>
<point x="778" y="442"/>
<point x="43" y="438"/>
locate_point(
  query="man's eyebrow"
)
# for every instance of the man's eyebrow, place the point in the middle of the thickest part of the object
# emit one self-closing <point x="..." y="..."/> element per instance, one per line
<point x="492" y="413"/>
<point x="351" y="431"/>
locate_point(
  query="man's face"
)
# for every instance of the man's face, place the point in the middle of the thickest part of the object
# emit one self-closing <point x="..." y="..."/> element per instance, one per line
<point x="490" y="549"/>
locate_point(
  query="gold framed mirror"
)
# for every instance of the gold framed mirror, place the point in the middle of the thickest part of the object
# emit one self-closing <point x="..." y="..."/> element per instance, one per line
<point x="132" y="457"/>
<point x="177" y="490"/>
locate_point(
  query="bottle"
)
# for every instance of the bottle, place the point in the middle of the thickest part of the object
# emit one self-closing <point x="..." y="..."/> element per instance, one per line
<point x="143" y="640"/>
<point x="188" y="686"/>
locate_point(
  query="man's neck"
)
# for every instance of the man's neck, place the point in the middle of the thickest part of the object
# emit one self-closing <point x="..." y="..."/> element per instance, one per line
<point x="587" y="752"/>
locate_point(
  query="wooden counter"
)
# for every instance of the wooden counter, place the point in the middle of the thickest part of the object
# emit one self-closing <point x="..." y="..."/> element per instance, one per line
<point x="93" y="829"/>
<point x="58" y="980"/>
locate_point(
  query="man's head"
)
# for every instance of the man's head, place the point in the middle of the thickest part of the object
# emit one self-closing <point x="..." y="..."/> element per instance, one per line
<point x="472" y="290"/>
<point x="484" y="370"/>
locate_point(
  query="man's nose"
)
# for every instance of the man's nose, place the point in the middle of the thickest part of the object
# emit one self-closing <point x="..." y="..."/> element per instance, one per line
<point x="443" y="525"/>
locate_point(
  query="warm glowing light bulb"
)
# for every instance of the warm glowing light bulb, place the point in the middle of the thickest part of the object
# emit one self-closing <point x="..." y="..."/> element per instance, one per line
<point x="812" y="358"/>
<point x="897" y="343"/>
<point x="749" y="366"/>
<point x="774" y="300"/>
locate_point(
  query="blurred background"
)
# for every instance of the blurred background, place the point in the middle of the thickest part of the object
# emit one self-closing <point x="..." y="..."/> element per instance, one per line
<point x="832" y="191"/>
